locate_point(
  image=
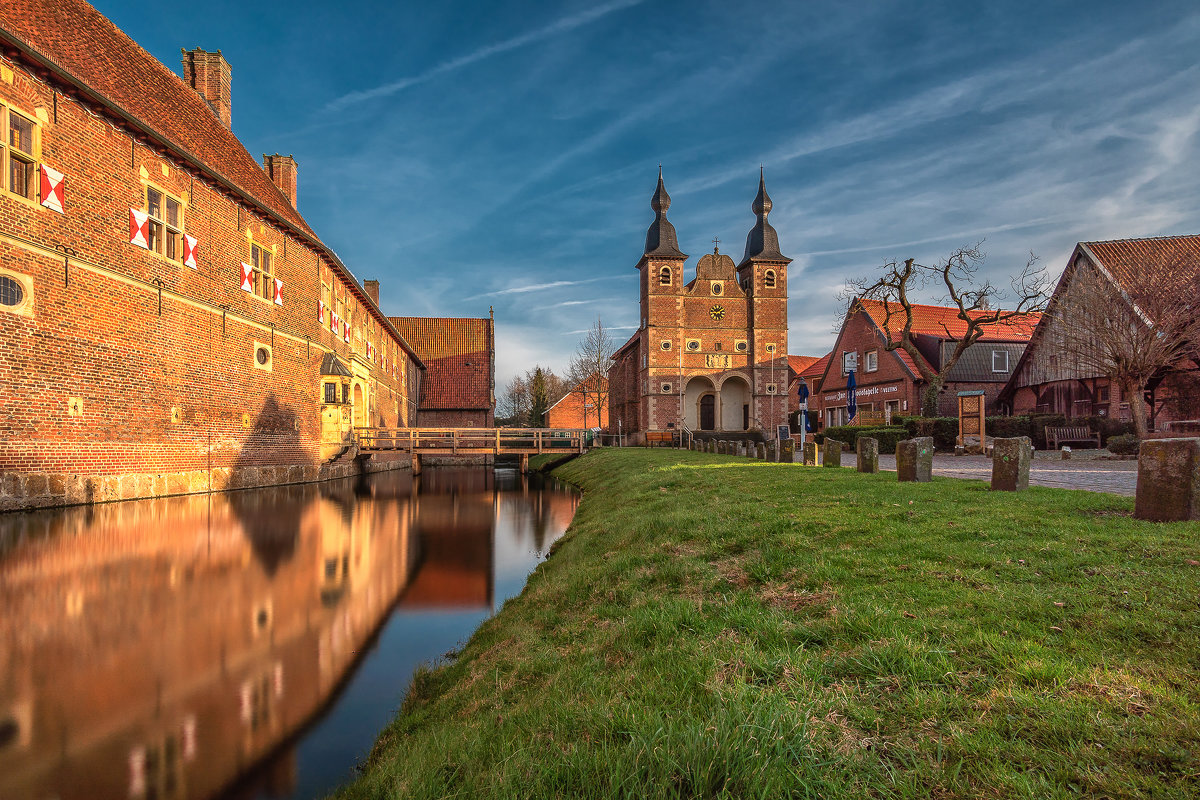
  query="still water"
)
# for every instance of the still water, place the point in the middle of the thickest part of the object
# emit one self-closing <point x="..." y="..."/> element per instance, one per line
<point x="249" y="644"/>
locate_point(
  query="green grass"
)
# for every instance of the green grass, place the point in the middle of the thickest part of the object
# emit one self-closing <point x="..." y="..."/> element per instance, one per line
<point x="717" y="627"/>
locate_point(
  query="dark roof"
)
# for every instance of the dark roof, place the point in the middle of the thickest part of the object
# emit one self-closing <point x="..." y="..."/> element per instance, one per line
<point x="975" y="364"/>
<point x="661" y="240"/>
<point x="762" y="242"/>
<point x="332" y="365"/>
<point x="457" y="353"/>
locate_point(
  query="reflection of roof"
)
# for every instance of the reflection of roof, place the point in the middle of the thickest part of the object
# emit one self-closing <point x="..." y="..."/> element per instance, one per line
<point x="943" y="322"/>
<point x="457" y="353"/>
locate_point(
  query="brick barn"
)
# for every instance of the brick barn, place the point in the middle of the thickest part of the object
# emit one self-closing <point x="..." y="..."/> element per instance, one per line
<point x="890" y="383"/>
<point x="459" y="353"/>
<point x="170" y="321"/>
<point x="585" y="406"/>
<point x="710" y="354"/>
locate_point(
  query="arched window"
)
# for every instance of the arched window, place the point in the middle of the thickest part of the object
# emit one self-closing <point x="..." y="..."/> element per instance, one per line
<point x="664" y="276"/>
<point x="769" y="279"/>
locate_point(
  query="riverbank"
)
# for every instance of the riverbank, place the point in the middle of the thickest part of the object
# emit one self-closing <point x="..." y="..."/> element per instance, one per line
<point x="715" y="626"/>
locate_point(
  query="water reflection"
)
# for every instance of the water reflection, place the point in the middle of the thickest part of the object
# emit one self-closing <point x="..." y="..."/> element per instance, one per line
<point x="176" y="647"/>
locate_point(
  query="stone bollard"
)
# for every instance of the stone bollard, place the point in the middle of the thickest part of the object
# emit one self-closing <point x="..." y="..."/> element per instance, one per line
<point x="914" y="459"/>
<point x="810" y="453"/>
<point x="761" y="451"/>
<point x="833" y="453"/>
<point x="787" y="451"/>
<point x="751" y="450"/>
<point x="868" y="454"/>
<point x="1010" y="463"/>
<point x="772" y="450"/>
<point x="1168" y="481"/>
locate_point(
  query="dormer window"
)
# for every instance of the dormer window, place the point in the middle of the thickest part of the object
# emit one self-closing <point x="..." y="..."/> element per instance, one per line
<point x="769" y="279"/>
<point x="664" y="276"/>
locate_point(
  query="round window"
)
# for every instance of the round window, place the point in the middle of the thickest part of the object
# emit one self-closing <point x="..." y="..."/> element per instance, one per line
<point x="666" y="345"/>
<point x="741" y="347"/>
<point x="11" y="291"/>
<point x="262" y="356"/>
<point x="693" y="345"/>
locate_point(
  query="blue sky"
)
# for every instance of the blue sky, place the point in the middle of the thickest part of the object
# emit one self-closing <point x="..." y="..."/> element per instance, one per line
<point x="476" y="154"/>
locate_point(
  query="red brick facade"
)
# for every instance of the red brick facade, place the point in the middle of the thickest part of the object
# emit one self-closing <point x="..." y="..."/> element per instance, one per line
<point x="584" y="406"/>
<point x="710" y="354"/>
<point x="121" y="361"/>
<point x="458" y="390"/>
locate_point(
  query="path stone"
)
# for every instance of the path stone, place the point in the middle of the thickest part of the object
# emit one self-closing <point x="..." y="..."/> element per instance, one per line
<point x="868" y="454"/>
<point x="914" y="459"/>
<point x="787" y="451"/>
<point x="1010" y="464"/>
<point x="1168" y="480"/>
<point x="810" y="453"/>
<point x="833" y="453"/>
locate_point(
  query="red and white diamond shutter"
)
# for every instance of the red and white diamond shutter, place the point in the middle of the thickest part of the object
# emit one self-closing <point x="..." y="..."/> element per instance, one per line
<point x="346" y="332"/>
<point x="278" y="292"/>
<point x="53" y="195"/>
<point x="247" y="277"/>
<point x="320" y="311"/>
<point x="333" y="322"/>
<point x="139" y="229"/>
<point x="189" y="251"/>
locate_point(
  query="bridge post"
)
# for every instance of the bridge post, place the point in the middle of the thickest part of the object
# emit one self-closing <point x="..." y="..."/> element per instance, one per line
<point x="416" y="464"/>
<point x="524" y="463"/>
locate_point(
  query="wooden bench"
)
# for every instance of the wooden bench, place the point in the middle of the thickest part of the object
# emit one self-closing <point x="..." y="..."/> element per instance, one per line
<point x="1070" y="433"/>
<point x="660" y="438"/>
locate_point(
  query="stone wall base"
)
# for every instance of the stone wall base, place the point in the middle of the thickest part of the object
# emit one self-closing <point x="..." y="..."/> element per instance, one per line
<point x="27" y="491"/>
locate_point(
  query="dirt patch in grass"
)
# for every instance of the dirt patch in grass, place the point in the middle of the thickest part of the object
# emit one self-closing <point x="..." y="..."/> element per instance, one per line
<point x="790" y="599"/>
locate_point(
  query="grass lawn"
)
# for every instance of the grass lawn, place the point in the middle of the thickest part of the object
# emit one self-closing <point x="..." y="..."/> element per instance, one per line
<point x="712" y="626"/>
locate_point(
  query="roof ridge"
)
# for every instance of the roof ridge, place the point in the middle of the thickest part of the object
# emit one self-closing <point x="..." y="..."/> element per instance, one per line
<point x="1143" y="238"/>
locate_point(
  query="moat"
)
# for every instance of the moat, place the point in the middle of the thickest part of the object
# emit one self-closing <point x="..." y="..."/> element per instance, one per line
<point x="247" y="644"/>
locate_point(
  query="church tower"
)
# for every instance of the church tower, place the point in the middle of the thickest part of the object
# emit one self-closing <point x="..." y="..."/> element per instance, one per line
<point x="762" y="275"/>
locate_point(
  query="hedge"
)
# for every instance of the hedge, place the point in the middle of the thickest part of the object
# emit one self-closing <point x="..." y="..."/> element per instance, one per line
<point x="849" y="434"/>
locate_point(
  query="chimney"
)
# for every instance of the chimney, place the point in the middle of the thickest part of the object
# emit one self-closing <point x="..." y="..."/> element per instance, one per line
<point x="372" y="288"/>
<point x="210" y="75"/>
<point x="282" y="170"/>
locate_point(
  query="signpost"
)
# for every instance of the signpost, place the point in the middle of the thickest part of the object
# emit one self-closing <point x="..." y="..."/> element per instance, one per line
<point x="802" y="393"/>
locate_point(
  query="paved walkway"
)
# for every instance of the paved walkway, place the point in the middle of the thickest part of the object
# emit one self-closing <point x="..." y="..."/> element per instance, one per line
<point x="1093" y="475"/>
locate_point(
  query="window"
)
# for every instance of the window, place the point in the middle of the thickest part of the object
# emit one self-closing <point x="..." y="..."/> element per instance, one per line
<point x="770" y="348"/>
<point x="693" y="345"/>
<point x="666" y="388"/>
<point x="346" y="393"/>
<point x="11" y="291"/>
<point x="872" y="359"/>
<point x="331" y="393"/>
<point x="262" y="356"/>
<point x="999" y="361"/>
<point x="666" y="344"/>
<point x="165" y="224"/>
<point x="717" y="287"/>
<point x="264" y="277"/>
<point x="740" y="346"/>
<point x="771" y="388"/>
<point x="769" y="279"/>
<point x="664" y="276"/>
<point x="849" y="362"/>
<point x="20" y="154"/>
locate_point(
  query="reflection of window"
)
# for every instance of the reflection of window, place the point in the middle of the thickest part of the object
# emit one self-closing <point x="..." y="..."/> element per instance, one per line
<point x="872" y="359"/>
<point x="769" y="279"/>
<point x="264" y="279"/>
<point x="165" y="224"/>
<point x="664" y="276"/>
<point x="999" y="361"/>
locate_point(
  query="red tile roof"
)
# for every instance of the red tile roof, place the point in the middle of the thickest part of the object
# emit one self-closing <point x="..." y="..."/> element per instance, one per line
<point x="800" y="363"/>
<point x="944" y="323"/>
<point x="817" y="368"/>
<point x="458" y="360"/>
<point x="1128" y="259"/>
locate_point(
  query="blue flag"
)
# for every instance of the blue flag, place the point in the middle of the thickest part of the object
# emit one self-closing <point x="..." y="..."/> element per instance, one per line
<point x="851" y="400"/>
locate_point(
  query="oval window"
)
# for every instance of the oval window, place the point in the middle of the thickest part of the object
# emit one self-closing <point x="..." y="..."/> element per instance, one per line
<point x="262" y="355"/>
<point x="693" y="345"/>
<point x="11" y="291"/>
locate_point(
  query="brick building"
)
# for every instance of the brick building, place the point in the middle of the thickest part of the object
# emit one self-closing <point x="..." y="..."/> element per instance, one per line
<point x="585" y="406"/>
<point x="1047" y="379"/>
<point x="170" y="322"/>
<point x="709" y="354"/>
<point x="808" y="369"/>
<point x="459" y="385"/>
<point x="891" y="383"/>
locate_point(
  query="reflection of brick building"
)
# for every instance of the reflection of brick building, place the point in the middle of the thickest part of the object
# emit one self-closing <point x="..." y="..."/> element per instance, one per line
<point x="710" y="353"/>
<point x="179" y="306"/>
<point x="458" y="390"/>
<point x="585" y="406"/>
<point x="891" y="383"/>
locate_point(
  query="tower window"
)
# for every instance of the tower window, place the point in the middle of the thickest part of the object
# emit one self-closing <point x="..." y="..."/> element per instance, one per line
<point x="740" y="346"/>
<point x="666" y="344"/>
<point x="693" y="345"/>
<point x="769" y="279"/>
<point x="664" y="276"/>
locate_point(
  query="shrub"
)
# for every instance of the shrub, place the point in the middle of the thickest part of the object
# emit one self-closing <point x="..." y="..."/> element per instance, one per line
<point x="849" y="434"/>
<point x="1124" y="444"/>
<point x="944" y="430"/>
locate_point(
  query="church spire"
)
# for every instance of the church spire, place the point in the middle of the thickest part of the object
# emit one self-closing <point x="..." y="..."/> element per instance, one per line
<point x="762" y="242"/>
<point x="660" y="238"/>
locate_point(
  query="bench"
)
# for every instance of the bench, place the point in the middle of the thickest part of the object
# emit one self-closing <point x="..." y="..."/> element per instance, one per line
<point x="1070" y="433"/>
<point x="657" y="438"/>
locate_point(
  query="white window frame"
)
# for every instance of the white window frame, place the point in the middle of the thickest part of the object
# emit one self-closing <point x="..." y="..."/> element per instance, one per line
<point x="1006" y="361"/>
<point x="871" y="361"/>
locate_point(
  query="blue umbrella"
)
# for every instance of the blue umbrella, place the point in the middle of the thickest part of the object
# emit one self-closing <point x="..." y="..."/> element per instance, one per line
<point x="802" y="391"/>
<point x="851" y="400"/>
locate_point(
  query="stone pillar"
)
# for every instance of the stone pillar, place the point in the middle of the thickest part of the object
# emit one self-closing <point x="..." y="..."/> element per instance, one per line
<point x="1168" y="482"/>
<point x="772" y="451"/>
<point x="761" y="451"/>
<point x="833" y="453"/>
<point x="810" y="453"/>
<point x="1010" y="464"/>
<point x="868" y="454"/>
<point x="787" y="451"/>
<point x="914" y="459"/>
<point x="751" y="450"/>
<point x="712" y="446"/>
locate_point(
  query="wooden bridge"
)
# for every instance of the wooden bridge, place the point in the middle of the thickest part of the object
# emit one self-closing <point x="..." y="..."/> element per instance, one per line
<point x="452" y="442"/>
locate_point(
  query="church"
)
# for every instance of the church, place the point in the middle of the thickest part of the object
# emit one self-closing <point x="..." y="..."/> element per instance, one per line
<point x="710" y="355"/>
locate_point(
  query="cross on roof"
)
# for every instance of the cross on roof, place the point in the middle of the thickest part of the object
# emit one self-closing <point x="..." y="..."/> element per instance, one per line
<point x="716" y="242"/>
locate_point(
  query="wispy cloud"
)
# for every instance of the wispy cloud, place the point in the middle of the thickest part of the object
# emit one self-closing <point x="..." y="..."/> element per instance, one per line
<point x="556" y="28"/>
<point x="541" y="287"/>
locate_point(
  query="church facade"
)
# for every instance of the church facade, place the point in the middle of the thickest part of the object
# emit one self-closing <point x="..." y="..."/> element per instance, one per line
<point x="710" y="354"/>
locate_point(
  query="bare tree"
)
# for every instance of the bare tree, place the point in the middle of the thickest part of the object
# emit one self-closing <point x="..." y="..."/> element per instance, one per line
<point x="588" y="374"/>
<point x="514" y="403"/>
<point x="977" y="304"/>
<point x="1133" y="332"/>
<point x="517" y="401"/>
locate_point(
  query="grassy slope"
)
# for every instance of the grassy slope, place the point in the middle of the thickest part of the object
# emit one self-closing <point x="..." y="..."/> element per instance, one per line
<point x="716" y="627"/>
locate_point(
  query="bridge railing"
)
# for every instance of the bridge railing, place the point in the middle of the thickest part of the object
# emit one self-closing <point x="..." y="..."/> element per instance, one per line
<point x="452" y="441"/>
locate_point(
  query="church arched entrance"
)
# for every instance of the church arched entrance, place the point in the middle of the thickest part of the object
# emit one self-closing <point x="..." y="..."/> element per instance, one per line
<point x="694" y="403"/>
<point x="735" y="404"/>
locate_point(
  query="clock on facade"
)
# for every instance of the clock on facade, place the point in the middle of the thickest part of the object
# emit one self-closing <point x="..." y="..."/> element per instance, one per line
<point x="716" y="312"/>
